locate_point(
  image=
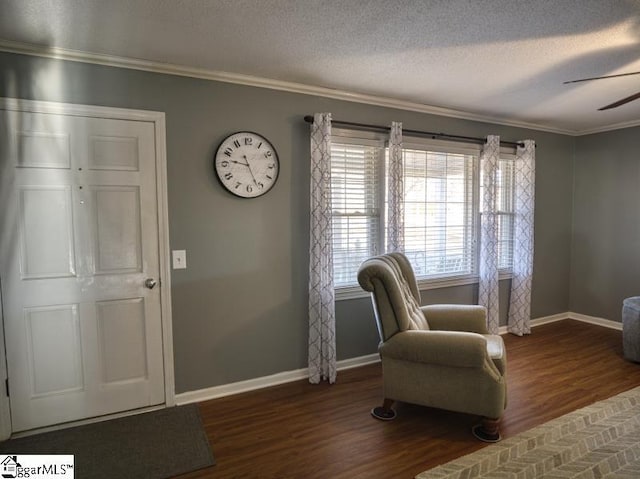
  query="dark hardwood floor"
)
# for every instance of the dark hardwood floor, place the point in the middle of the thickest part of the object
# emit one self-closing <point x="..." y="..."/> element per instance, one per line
<point x="299" y="430"/>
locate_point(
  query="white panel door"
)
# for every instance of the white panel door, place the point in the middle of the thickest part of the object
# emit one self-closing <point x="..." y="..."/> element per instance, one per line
<point x="79" y="240"/>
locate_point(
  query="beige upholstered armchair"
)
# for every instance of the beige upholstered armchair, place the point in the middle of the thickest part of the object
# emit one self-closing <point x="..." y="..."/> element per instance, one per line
<point x="438" y="356"/>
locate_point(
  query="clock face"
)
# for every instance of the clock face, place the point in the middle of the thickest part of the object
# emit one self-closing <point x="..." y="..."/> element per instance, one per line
<point x="247" y="164"/>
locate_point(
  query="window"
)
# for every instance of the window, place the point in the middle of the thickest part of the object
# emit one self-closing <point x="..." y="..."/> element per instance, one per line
<point x="355" y="190"/>
<point x="505" y="211"/>
<point x="441" y="205"/>
<point x="439" y="232"/>
<point x="505" y="181"/>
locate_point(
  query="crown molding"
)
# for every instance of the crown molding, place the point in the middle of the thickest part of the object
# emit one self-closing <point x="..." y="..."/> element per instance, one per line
<point x="292" y="87"/>
<point x="73" y="109"/>
<point x="615" y="126"/>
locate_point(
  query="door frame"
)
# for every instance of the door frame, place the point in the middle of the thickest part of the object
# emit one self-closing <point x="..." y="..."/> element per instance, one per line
<point x="158" y="120"/>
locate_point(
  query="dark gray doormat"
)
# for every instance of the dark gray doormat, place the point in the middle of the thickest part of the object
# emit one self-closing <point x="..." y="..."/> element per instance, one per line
<point x="153" y="445"/>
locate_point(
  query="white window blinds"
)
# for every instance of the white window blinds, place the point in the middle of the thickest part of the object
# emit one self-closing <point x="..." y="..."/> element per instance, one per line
<point x="505" y="192"/>
<point x="355" y="187"/>
<point x="441" y="210"/>
<point x="505" y="183"/>
<point x="439" y="230"/>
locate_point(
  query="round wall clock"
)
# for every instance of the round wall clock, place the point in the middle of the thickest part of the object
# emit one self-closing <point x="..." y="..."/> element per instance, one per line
<point x="246" y="164"/>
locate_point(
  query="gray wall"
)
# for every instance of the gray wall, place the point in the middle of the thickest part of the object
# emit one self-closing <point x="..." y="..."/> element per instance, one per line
<point x="605" y="260"/>
<point x="240" y="309"/>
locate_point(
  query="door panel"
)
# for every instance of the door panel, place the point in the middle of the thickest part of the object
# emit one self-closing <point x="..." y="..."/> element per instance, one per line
<point x="55" y="353"/>
<point x="114" y="153"/>
<point x="45" y="212"/>
<point x="117" y="232"/>
<point x="79" y="237"/>
<point x="43" y="149"/>
<point x="121" y="331"/>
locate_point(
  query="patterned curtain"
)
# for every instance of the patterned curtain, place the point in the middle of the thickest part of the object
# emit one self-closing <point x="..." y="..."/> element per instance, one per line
<point x="395" y="213"/>
<point x="520" y="302"/>
<point x="488" y="270"/>
<point x="322" y="317"/>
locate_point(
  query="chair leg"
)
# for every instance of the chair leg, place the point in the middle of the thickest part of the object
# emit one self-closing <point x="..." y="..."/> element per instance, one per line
<point x="384" y="412"/>
<point x="488" y="430"/>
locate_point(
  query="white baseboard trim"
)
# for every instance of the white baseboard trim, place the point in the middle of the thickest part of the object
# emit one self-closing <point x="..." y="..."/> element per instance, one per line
<point x="298" y="374"/>
<point x="265" y="381"/>
<point x="605" y="323"/>
<point x="357" y="362"/>
<point x="540" y="321"/>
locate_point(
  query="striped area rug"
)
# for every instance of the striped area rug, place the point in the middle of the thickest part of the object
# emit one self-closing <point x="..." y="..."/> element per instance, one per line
<point x="598" y="441"/>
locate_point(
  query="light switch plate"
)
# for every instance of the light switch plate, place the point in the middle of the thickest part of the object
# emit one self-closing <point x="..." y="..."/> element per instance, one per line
<point x="179" y="259"/>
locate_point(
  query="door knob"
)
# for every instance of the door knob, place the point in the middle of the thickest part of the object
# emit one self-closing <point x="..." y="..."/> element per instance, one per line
<point x="150" y="283"/>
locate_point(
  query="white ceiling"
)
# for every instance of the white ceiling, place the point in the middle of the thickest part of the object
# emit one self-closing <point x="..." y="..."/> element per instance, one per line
<point x="503" y="60"/>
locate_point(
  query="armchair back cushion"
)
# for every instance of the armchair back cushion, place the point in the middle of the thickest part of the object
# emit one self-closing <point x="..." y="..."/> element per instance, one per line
<point x="396" y="298"/>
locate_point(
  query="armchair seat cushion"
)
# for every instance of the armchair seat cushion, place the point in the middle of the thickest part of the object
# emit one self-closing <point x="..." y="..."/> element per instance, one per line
<point x="497" y="351"/>
<point x="444" y="348"/>
<point x="495" y="346"/>
<point x="447" y="348"/>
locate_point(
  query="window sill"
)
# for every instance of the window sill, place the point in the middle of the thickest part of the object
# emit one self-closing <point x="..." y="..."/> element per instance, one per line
<point x="355" y="291"/>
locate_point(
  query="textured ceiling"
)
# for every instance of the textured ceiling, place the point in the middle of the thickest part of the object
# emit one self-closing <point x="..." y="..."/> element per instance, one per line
<point x="501" y="59"/>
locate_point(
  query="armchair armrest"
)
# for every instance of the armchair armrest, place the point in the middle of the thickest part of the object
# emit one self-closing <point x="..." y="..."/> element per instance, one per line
<point x="456" y="317"/>
<point x="445" y="348"/>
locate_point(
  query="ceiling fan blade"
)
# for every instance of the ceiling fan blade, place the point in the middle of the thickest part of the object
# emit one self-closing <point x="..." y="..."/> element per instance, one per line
<point x="602" y="77"/>
<point x="621" y="102"/>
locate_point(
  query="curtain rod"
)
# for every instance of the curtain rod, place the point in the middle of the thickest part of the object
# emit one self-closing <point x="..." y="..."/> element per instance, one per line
<point x="465" y="139"/>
